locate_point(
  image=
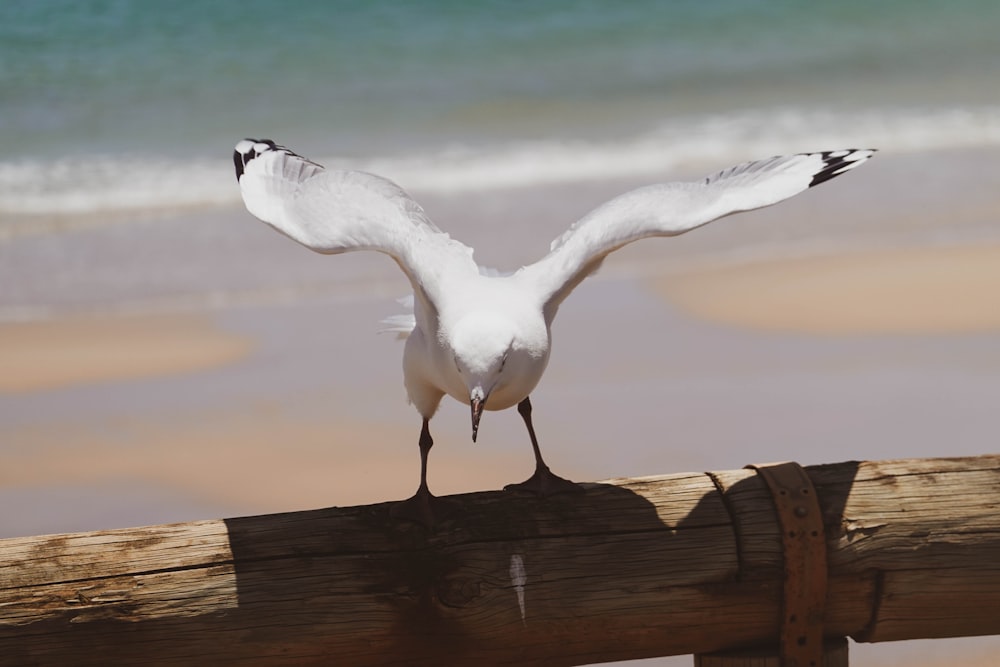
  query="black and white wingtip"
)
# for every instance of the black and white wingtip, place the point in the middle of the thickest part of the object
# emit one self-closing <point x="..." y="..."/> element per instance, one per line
<point x="248" y="149"/>
<point x="835" y="163"/>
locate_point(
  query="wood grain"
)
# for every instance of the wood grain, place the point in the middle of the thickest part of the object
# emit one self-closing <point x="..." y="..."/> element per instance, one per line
<point x="665" y="565"/>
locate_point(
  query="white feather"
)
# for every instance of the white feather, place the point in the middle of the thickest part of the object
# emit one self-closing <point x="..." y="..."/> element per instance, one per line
<point x="477" y="333"/>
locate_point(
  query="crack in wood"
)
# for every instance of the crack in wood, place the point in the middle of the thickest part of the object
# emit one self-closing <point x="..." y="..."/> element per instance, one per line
<point x="733" y="524"/>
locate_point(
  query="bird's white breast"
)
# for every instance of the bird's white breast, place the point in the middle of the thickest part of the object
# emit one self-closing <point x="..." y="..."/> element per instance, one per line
<point x="490" y="312"/>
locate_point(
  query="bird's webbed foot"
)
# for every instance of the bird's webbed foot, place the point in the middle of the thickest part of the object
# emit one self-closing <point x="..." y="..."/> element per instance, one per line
<point x="424" y="508"/>
<point x="545" y="483"/>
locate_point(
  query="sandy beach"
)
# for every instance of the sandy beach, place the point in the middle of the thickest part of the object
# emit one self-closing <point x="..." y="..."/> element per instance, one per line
<point x="123" y="405"/>
<point x="914" y="291"/>
<point x="41" y="356"/>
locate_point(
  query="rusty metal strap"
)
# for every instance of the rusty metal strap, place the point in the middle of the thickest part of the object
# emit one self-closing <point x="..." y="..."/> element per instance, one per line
<point x="805" y="562"/>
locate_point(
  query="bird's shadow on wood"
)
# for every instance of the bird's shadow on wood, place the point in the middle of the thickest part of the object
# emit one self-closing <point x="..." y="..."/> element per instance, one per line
<point x="395" y="587"/>
<point x="369" y="585"/>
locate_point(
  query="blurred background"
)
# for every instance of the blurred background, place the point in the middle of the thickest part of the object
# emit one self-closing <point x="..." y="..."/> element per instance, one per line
<point x="166" y="357"/>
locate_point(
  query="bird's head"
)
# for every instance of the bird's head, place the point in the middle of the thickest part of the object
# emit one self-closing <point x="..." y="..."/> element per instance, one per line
<point x="485" y="354"/>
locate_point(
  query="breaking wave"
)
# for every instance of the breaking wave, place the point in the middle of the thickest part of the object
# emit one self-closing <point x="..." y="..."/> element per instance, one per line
<point x="110" y="184"/>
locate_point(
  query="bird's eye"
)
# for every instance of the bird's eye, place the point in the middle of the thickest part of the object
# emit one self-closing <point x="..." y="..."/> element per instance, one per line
<point x="458" y="365"/>
<point x="503" y="361"/>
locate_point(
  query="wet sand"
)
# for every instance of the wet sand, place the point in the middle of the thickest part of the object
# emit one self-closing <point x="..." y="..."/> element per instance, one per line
<point x="926" y="290"/>
<point x="39" y="356"/>
<point x="253" y="461"/>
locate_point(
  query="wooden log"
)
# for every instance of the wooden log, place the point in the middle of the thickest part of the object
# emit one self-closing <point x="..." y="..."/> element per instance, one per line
<point x="665" y="565"/>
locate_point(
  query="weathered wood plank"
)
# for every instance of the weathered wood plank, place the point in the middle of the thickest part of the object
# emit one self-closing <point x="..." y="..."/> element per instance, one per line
<point x="633" y="568"/>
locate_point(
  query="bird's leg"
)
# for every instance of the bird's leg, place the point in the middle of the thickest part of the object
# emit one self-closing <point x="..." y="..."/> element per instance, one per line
<point x="424" y="507"/>
<point x="543" y="482"/>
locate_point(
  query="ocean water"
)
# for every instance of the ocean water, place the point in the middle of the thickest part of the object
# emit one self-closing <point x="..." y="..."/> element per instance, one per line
<point x="112" y="106"/>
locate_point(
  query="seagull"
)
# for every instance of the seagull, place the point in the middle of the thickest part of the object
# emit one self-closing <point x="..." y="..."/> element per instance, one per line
<point x="481" y="337"/>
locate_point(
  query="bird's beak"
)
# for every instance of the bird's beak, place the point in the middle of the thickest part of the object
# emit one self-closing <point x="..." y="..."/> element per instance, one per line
<point x="477" y="412"/>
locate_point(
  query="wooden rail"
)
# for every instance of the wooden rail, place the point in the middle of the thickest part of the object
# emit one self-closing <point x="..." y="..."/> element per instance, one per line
<point x="666" y="565"/>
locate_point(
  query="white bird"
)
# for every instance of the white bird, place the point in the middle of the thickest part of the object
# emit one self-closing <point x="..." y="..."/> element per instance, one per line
<point x="483" y="338"/>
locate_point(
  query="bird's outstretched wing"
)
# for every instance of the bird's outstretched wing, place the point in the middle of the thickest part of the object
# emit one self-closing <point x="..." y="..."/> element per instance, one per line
<point x="669" y="209"/>
<point x="334" y="211"/>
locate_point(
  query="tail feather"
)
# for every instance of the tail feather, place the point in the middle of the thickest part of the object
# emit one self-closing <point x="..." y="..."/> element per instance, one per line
<point x="403" y="323"/>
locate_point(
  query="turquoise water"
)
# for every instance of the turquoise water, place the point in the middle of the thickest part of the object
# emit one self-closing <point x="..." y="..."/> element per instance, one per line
<point x="122" y="104"/>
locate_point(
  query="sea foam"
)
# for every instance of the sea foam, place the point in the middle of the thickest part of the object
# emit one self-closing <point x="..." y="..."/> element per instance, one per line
<point x="109" y="184"/>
